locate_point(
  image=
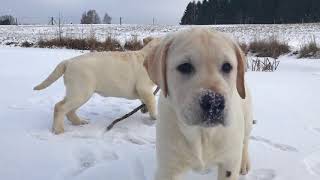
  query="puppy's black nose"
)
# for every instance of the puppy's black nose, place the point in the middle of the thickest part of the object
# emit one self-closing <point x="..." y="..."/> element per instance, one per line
<point x="212" y="102"/>
<point x="212" y="105"/>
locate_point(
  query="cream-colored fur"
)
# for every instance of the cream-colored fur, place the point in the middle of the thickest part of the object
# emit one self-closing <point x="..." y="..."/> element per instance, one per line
<point x="181" y="143"/>
<point x="110" y="74"/>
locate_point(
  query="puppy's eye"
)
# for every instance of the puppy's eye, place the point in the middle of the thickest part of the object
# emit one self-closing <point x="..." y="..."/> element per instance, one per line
<point x="186" y="68"/>
<point x="226" y="68"/>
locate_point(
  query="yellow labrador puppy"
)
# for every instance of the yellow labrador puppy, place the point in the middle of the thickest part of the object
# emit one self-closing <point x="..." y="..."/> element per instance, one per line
<point x="204" y="109"/>
<point x="113" y="74"/>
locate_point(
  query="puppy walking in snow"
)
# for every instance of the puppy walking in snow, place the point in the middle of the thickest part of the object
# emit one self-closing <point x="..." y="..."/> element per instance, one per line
<point x="205" y="114"/>
<point x="110" y="74"/>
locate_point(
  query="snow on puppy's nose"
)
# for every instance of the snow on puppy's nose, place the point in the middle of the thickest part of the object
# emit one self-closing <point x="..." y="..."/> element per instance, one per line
<point x="212" y="105"/>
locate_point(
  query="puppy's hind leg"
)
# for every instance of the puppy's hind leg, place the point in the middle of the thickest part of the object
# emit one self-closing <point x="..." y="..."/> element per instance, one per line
<point x="67" y="107"/>
<point x="73" y="100"/>
<point x="58" y="118"/>
<point x="74" y="118"/>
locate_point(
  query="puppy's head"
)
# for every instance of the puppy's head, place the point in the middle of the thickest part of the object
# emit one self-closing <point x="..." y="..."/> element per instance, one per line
<point x="147" y="40"/>
<point x="150" y="43"/>
<point x="199" y="72"/>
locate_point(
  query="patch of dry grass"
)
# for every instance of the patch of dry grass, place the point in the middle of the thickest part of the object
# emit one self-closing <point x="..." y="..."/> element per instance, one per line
<point x="309" y="50"/>
<point x="133" y="44"/>
<point x="26" y="44"/>
<point x="271" y="47"/>
<point x="110" y="44"/>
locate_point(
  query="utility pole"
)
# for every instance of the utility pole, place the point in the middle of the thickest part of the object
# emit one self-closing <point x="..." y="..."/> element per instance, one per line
<point x="52" y="21"/>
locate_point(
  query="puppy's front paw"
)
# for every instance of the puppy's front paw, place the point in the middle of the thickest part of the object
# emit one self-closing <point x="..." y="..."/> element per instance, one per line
<point x="83" y="122"/>
<point x="245" y="167"/>
<point x="144" y="110"/>
<point x="153" y="116"/>
<point x="79" y="122"/>
<point x="57" y="130"/>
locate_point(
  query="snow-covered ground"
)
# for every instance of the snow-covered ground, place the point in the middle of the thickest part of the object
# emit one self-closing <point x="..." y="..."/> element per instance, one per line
<point x="295" y="34"/>
<point x="285" y="144"/>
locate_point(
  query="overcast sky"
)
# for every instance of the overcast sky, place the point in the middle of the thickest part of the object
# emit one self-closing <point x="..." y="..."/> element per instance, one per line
<point x="133" y="11"/>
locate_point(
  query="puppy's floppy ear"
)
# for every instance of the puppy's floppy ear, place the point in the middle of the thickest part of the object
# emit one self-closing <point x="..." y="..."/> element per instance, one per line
<point x="156" y="65"/>
<point x="240" y="71"/>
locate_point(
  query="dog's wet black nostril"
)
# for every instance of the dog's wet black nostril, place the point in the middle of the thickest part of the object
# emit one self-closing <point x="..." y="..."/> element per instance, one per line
<point x="206" y="102"/>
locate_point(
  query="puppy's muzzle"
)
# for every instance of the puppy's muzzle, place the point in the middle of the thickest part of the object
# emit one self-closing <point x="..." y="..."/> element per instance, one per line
<point x="212" y="105"/>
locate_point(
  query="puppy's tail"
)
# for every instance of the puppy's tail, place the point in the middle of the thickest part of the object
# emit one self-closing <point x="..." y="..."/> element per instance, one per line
<point x="55" y="75"/>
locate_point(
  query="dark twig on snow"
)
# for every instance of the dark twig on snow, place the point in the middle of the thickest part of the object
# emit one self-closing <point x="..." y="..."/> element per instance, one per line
<point x="130" y="113"/>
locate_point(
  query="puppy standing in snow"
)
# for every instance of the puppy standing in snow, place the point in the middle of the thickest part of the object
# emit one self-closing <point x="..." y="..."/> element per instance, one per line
<point x="115" y="74"/>
<point x="205" y="115"/>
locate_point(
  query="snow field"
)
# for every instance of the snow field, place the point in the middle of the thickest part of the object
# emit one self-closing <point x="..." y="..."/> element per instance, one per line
<point x="284" y="144"/>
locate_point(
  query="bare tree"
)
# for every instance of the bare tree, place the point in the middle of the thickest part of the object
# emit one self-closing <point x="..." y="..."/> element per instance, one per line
<point x="107" y="19"/>
<point x="84" y="18"/>
<point x="90" y="17"/>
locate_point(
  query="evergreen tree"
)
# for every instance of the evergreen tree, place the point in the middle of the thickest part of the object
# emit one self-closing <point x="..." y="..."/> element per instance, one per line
<point x="251" y="11"/>
<point x="189" y="16"/>
<point x="212" y="11"/>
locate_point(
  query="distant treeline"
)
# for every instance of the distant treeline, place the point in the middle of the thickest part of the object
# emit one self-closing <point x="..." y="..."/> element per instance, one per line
<point x="251" y="12"/>
<point x="7" y="20"/>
